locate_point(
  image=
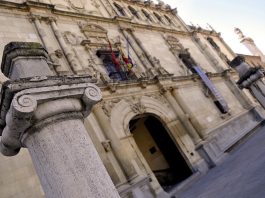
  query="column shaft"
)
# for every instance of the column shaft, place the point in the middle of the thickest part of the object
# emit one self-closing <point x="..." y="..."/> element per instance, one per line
<point x="183" y="118"/>
<point x="137" y="50"/>
<point x="76" y="67"/>
<point x="45" y="40"/>
<point x="239" y="94"/>
<point x="67" y="163"/>
<point x="123" y="157"/>
<point x="209" y="55"/>
<point x="188" y="112"/>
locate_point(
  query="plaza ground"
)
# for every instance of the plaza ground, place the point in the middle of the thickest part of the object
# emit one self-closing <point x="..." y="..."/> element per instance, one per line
<point x="241" y="175"/>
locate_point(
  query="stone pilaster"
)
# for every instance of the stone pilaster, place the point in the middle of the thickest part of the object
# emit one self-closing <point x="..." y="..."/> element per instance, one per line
<point x="121" y="154"/>
<point x="239" y="94"/>
<point x="141" y="55"/>
<point x="54" y="54"/>
<point x="45" y="114"/>
<point x="189" y="114"/>
<point x="204" y="49"/>
<point x="73" y="62"/>
<point x="110" y="8"/>
<point x="139" y="43"/>
<point x="182" y="117"/>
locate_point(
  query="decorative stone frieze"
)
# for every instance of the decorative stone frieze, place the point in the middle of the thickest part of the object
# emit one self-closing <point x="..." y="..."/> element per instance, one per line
<point x="71" y="38"/>
<point x="138" y="108"/>
<point x="107" y="105"/>
<point x="68" y="51"/>
<point x="56" y="62"/>
<point x="95" y="35"/>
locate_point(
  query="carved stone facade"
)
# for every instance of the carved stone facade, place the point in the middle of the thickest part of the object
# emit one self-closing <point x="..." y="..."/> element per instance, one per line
<point x="162" y="87"/>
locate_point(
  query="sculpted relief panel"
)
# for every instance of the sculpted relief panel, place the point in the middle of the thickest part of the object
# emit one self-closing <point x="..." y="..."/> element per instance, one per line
<point x="95" y="34"/>
<point x="71" y="38"/>
<point x="81" y="6"/>
<point x="176" y="47"/>
<point x="174" y="44"/>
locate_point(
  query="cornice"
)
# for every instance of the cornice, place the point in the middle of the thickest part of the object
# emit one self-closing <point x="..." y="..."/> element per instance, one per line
<point x="161" y="29"/>
<point x="8" y="4"/>
<point x="166" y="81"/>
<point x="205" y="32"/>
<point x="116" y="20"/>
<point x="38" y="4"/>
<point x="149" y="4"/>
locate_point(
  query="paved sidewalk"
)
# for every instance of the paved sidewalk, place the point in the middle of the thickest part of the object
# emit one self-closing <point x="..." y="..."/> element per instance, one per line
<point x="242" y="175"/>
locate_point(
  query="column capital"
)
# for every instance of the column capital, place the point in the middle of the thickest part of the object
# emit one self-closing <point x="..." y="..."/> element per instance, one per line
<point x="165" y="89"/>
<point x="41" y="17"/>
<point x="33" y="105"/>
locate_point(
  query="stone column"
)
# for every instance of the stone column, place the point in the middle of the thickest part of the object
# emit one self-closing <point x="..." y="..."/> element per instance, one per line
<point x="139" y="43"/>
<point x="116" y="145"/>
<point x="109" y="7"/>
<point x="46" y="116"/>
<point x="135" y="183"/>
<point x="250" y="78"/>
<point x="183" y="118"/>
<point x="76" y="67"/>
<point x="199" y="128"/>
<point x="54" y="54"/>
<point x="209" y="56"/>
<point x="141" y="55"/>
<point x="240" y="95"/>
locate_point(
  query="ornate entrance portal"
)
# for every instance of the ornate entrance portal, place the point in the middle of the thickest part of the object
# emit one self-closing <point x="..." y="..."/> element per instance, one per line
<point x="159" y="151"/>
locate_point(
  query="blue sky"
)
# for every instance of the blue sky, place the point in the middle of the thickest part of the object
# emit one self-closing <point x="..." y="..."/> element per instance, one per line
<point x="224" y="15"/>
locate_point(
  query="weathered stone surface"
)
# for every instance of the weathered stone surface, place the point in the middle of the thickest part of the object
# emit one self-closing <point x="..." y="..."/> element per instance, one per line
<point x="57" y="113"/>
<point x="22" y="113"/>
<point x="72" y="32"/>
<point x="250" y="78"/>
<point x="67" y="162"/>
<point x="15" y="63"/>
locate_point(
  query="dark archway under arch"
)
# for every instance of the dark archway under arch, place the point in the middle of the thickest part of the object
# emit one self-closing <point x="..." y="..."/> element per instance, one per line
<point x="159" y="151"/>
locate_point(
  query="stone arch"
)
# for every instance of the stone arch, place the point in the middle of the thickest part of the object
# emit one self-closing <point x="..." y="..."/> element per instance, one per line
<point x="134" y="12"/>
<point x="147" y="15"/>
<point x="168" y="19"/>
<point x="158" y="17"/>
<point x="120" y="9"/>
<point x="124" y="111"/>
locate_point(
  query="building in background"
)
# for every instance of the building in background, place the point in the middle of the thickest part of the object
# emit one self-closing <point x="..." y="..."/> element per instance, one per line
<point x="170" y="110"/>
<point x="254" y="61"/>
<point x="257" y="59"/>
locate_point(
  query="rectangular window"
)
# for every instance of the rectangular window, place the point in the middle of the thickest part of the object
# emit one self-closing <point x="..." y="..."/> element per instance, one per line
<point x="115" y="72"/>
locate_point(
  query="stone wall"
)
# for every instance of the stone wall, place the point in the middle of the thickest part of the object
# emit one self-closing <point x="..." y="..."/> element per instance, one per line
<point x="73" y="31"/>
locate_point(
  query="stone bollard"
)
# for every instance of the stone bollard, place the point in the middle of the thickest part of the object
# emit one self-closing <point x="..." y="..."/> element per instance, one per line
<point x="250" y="78"/>
<point x="45" y="113"/>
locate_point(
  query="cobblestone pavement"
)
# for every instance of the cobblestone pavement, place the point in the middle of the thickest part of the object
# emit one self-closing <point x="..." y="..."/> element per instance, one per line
<point x="242" y="175"/>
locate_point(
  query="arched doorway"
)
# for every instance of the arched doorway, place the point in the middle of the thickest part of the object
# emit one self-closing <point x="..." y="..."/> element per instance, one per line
<point x="159" y="151"/>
